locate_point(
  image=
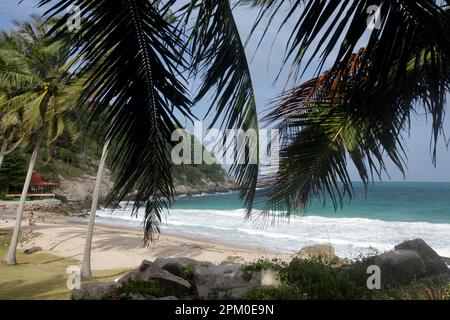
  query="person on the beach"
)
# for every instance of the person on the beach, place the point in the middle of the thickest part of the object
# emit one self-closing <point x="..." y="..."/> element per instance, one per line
<point x="31" y="221"/>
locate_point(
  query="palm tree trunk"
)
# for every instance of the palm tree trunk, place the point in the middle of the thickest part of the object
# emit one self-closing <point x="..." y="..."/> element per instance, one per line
<point x="11" y="256"/>
<point x="3" y="152"/>
<point x="86" y="272"/>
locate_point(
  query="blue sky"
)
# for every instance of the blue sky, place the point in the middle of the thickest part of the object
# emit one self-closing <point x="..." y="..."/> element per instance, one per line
<point x="264" y="71"/>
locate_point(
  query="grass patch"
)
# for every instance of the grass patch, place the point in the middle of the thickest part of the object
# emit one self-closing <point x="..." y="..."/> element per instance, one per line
<point x="40" y="276"/>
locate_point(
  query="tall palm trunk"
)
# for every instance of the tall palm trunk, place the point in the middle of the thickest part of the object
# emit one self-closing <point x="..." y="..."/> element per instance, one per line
<point x="11" y="256"/>
<point x="3" y="152"/>
<point x="86" y="272"/>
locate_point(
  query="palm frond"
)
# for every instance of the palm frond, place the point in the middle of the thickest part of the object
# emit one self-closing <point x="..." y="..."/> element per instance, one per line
<point x="325" y="123"/>
<point x="132" y="55"/>
<point x="219" y="58"/>
<point x="33" y="78"/>
<point x="332" y="30"/>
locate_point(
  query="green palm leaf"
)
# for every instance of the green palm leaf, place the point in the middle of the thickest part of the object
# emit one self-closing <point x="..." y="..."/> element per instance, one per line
<point x="219" y="58"/>
<point x="326" y="123"/>
<point x="132" y="56"/>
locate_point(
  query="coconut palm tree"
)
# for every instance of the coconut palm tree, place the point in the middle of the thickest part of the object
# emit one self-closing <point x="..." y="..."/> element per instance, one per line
<point x="86" y="272"/>
<point x="139" y="61"/>
<point x="38" y="89"/>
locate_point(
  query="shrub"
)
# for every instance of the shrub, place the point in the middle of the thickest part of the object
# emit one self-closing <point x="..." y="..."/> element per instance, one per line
<point x="13" y="172"/>
<point x="326" y="281"/>
<point x="145" y="288"/>
<point x="447" y="292"/>
<point x="187" y="273"/>
<point x="318" y="280"/>
<point x="284" y="292"/>
<point x="251" y="268"/>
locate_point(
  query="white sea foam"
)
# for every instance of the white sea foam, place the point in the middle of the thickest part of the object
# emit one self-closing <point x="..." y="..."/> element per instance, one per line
<point x="351" y="237"/>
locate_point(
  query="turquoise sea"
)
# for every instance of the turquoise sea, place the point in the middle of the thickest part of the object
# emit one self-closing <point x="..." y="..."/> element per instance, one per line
<point x="390" y="213"/>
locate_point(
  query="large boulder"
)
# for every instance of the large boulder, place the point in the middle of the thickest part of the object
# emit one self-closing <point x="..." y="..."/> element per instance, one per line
<point x="228" y="281"/>
<point x="176" y="266"/>
<point x="151" y="272"/>
<point x="94" y="291"/>
<point x="322" y="251"/>
<point x="435" y="266"/>
<point x="400" y="266"/>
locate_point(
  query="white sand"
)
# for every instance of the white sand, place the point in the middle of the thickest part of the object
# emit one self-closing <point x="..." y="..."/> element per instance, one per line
<point x="114" y="248"/>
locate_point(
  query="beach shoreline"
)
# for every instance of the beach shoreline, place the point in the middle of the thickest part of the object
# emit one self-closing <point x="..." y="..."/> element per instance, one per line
<point x="122" y="247"/>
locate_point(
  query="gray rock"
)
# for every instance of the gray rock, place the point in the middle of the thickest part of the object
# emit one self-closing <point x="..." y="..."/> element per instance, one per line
<point x="148" y="271"/>
<point x="317" y="251"/>
<point x="177" y="265"/>
<point x="400" y="266"/>
<point x="169" y="298"/>
<point x="434" y="265"/>
<point x="226" y="281"/>
<point x="234" y="259"/>
<point x="32" y="250"/>
<point x="80" y="190"/>
<point x="134" y="296"/>
<point x="93" y="291"/>
<point x="446" y="261"/>
<point x="145" y="264"/>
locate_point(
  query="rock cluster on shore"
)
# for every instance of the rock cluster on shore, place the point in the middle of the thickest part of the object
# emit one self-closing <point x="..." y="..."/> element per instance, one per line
<point x="410" y="261"/>
<point x="74" y="196"/>
<point x="207" y="281"/>
<point x="185" y="278"/>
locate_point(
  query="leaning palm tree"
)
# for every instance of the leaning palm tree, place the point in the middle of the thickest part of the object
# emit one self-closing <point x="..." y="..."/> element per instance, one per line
<point x="86" y="272"/>
<point x="38" y="89"/>
<point x="138" y="63"/>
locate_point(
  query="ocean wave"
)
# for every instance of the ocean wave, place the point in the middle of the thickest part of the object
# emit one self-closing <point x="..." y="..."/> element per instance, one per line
<point x="351" y="237"/>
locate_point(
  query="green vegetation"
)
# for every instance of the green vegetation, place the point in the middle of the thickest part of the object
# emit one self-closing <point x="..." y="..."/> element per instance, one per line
<point x="151" y="289"/>
<point x="147" y="289"/>
<point x="193" y="175"/>
<point x="72" y="160"/>
<point x="317" y="280"/>
<point x="40" y="275"/>
<point x="188" y="273"/>
<point x="284" y="292"/>
<point x="66" y="160"/>
<point x="249" y="269"/>
<point x="144" y="288"/>
<point x="13" y="171"/>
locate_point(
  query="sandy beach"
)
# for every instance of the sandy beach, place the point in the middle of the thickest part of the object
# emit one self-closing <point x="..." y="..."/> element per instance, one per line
<point x="115" y="247"/>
